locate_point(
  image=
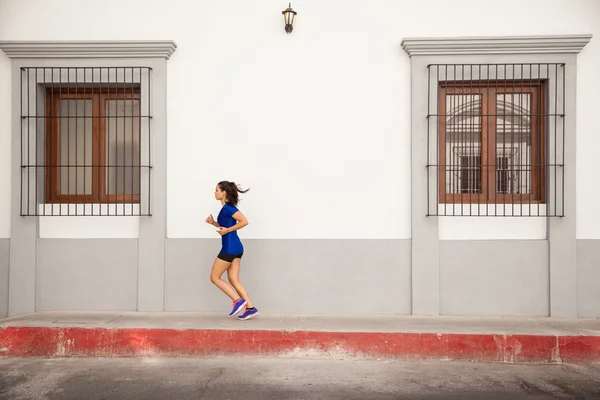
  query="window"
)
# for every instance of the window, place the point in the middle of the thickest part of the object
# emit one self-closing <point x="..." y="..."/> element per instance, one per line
<point x="496" y="137"/>
<point x="491" y="141"/>
<point x="86" y="141"/>
<point x="93" y="145"/>
<point x="524" y="131"/>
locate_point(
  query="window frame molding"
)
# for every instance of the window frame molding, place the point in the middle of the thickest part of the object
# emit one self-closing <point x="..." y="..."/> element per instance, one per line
<point x="97" y="54"/>
<point x="152" y="229"/>
<point x="425" y="237"/>
<point x="480" y="50"/>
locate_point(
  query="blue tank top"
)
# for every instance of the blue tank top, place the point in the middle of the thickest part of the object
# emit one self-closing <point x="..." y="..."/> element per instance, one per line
<point x="230" y="243"/>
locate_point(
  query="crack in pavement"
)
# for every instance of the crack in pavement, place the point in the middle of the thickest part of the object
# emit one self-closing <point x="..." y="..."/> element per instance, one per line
<point x="220" y="372"/>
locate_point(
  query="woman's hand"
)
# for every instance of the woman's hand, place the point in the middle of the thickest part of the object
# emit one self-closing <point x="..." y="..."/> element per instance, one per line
<point x="222" y="231"/>
<point x="210" y="220"/>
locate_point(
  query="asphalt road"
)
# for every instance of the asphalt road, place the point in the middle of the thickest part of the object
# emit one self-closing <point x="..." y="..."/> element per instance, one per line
<point x="265" y="379"/>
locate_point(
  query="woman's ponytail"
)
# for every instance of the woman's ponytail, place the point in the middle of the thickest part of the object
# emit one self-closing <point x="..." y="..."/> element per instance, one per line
<point x="232" y="191"/>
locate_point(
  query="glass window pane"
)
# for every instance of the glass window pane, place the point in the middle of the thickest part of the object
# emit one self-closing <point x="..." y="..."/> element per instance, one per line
<point x="513" y="143"/>
<point x="463" y="143"/>
<point x="76" y="147"/>
<point x="123" y="147"/>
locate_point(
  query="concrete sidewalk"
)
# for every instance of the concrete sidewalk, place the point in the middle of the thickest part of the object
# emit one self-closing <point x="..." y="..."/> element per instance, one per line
<point x="504" y="339"/>
<point x="320" y="323"/>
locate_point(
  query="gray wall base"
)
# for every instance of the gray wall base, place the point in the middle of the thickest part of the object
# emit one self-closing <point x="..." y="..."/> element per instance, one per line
<point x="491" y="278"/>
<point x="296" y="276"/>
<point x="87" y="274"/>
<point x="494" y="278"/>
<point x="22" y="262"/>
<point x="588" y="276"/>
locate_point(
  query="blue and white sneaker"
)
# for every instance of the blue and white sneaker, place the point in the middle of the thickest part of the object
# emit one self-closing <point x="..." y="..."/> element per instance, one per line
<point x="237" y="306"/>
<point x="249" y="313"/>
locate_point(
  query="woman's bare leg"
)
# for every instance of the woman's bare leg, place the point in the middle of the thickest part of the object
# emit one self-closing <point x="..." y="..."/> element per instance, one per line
<point x="218" y="268"/>
<point x="233" y="275"/>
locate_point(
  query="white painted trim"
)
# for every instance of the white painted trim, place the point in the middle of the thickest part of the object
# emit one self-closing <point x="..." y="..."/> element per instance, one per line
<point x="495" y="45"/>
<point x="89" y="221"/>
<point x="493" y="228"/>
<point x="89" y="49"/>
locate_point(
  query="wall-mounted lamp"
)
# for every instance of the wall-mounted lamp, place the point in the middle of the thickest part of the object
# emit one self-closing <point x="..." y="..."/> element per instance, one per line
<point x="288" y="16"/>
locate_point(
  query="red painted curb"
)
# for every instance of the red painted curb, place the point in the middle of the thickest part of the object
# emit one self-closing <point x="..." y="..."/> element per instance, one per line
<point x="101" y="342"/>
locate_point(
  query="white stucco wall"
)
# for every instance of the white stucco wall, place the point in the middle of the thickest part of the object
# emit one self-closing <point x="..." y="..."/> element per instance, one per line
<point x="588" y="130"/>
<point x="317" y="123"/>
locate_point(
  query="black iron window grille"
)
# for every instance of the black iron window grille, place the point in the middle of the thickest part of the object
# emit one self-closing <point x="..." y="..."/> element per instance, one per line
<point x="85" y="141"/>
<point x="496" y="139"/>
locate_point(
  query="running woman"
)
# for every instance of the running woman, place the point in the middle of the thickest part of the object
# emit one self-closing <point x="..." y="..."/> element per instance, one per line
<point x="229" y="220"/>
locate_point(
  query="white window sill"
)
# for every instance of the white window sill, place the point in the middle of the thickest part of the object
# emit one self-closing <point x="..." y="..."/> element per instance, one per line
<point x="488" y="226"/>
<point x="89" y="221"/>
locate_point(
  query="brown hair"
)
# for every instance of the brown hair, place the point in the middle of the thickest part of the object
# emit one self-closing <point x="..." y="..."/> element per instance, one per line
<point x="232" y="190"/>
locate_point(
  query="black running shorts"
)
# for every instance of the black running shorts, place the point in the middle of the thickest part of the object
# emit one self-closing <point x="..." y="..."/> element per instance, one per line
<point x="229" y="257"/>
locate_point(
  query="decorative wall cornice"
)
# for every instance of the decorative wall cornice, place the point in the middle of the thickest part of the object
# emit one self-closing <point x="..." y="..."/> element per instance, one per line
<point x="89" y="49"/>
<point x="495" y="45"/>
